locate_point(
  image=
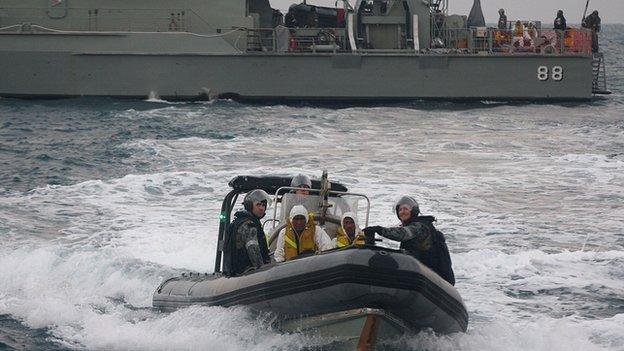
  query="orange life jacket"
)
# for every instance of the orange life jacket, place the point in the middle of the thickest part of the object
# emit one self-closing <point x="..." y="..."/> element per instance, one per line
<point x="294" y="244"/>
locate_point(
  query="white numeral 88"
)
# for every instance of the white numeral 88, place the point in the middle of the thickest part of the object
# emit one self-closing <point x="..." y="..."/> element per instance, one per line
<point x="556" y="75"/>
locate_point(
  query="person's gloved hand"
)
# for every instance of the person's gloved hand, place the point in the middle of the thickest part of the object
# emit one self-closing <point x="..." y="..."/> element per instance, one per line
<point x="369" y="234"/>
<point x="372" y="230"/>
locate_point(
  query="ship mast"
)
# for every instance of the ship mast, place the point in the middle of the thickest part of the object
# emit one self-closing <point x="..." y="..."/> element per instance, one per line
<point x="438" y="6"/>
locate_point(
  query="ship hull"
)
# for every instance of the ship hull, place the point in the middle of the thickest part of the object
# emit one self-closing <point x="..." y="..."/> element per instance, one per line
<point x="78" y="69"/>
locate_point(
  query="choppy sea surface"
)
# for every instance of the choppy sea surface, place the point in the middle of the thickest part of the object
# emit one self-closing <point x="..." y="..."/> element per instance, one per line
<point x="102" y="199"/>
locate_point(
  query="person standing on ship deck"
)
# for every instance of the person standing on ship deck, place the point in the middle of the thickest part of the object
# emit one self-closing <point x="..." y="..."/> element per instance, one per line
<point x="502" y="20"/>
<point x="560" y="22"/>
<point x="593" y="22"/>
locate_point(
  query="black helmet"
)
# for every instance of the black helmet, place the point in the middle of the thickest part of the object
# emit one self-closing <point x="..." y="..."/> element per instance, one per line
<point x="560" y="13"/>
<point x="299" y="180"/>
<point x="257" y="195"/>
<point x="409" y="201"/>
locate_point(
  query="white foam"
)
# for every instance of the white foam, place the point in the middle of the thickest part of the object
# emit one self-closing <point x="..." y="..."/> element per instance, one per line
<point x="517" y="197"/>
<point x="539" y="334"/>
<point x="89" y="299"/>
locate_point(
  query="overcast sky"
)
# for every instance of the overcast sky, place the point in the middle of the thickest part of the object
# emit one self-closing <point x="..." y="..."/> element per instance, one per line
<point x="611" y="11"/>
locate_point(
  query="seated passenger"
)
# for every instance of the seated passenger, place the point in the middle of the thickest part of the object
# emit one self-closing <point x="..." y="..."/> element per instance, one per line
<point x="300" y="196"/>
<point x="532" y="31"/>
<point x="349" y="233"/>
<point x="301" y="181"/>
<point x="501" y="39"/>
<point x="300" y="236"/>
<point x="518" y="29"/>
<point x="521" y="38"/>
<point x="517" y="39"/>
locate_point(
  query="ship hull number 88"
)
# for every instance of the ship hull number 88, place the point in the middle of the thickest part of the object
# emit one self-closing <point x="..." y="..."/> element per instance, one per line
<point x="556" y="73"/>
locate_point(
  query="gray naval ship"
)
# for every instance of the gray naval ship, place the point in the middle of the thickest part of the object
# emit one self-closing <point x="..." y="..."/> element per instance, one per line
<point x="245" y="49"/>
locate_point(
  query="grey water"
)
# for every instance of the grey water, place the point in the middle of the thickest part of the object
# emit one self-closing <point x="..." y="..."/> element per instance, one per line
<point x="102" y="199"/>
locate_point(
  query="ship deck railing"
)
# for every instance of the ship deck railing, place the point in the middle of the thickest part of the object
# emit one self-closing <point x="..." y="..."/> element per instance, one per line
<point x="497" y="41"/>
<point x="461" y="41"/>
<point x="292" y="41"/>
<point x="88" y="18"/>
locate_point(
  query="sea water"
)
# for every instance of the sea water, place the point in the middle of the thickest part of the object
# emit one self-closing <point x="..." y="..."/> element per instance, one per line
<point x="102" y="199"/>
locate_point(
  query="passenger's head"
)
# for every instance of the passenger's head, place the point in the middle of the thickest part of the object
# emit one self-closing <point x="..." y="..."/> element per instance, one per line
<point x="501" y="11"/>
<point x="559" y="13"/>
<point x="301" y="181"/>
<point x="406" y="207"/>
<point x="349" y="223"/>
<point x="595" y="13"/>
<point x="256" y="202"/>
<point x="298" y="217"/>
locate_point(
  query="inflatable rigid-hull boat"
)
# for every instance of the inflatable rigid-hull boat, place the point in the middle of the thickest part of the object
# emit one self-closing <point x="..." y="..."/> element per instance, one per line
<point x="330" y="287"/>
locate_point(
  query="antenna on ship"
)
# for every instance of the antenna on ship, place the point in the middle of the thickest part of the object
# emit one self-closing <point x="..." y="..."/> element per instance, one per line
<point x="585" y="12"/>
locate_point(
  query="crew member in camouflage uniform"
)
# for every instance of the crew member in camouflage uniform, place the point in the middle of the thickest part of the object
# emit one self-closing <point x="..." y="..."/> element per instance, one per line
<point x="502" y="20"/>
<point x="560" y="22"/>
<point x="418" y="237"/>
<point x="593" y="22"/>
<point x="245" y="244"/>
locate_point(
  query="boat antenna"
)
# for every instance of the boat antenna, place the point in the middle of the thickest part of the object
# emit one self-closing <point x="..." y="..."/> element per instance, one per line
<point x="324" y="194"/>
<point x="585" y="12"/>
